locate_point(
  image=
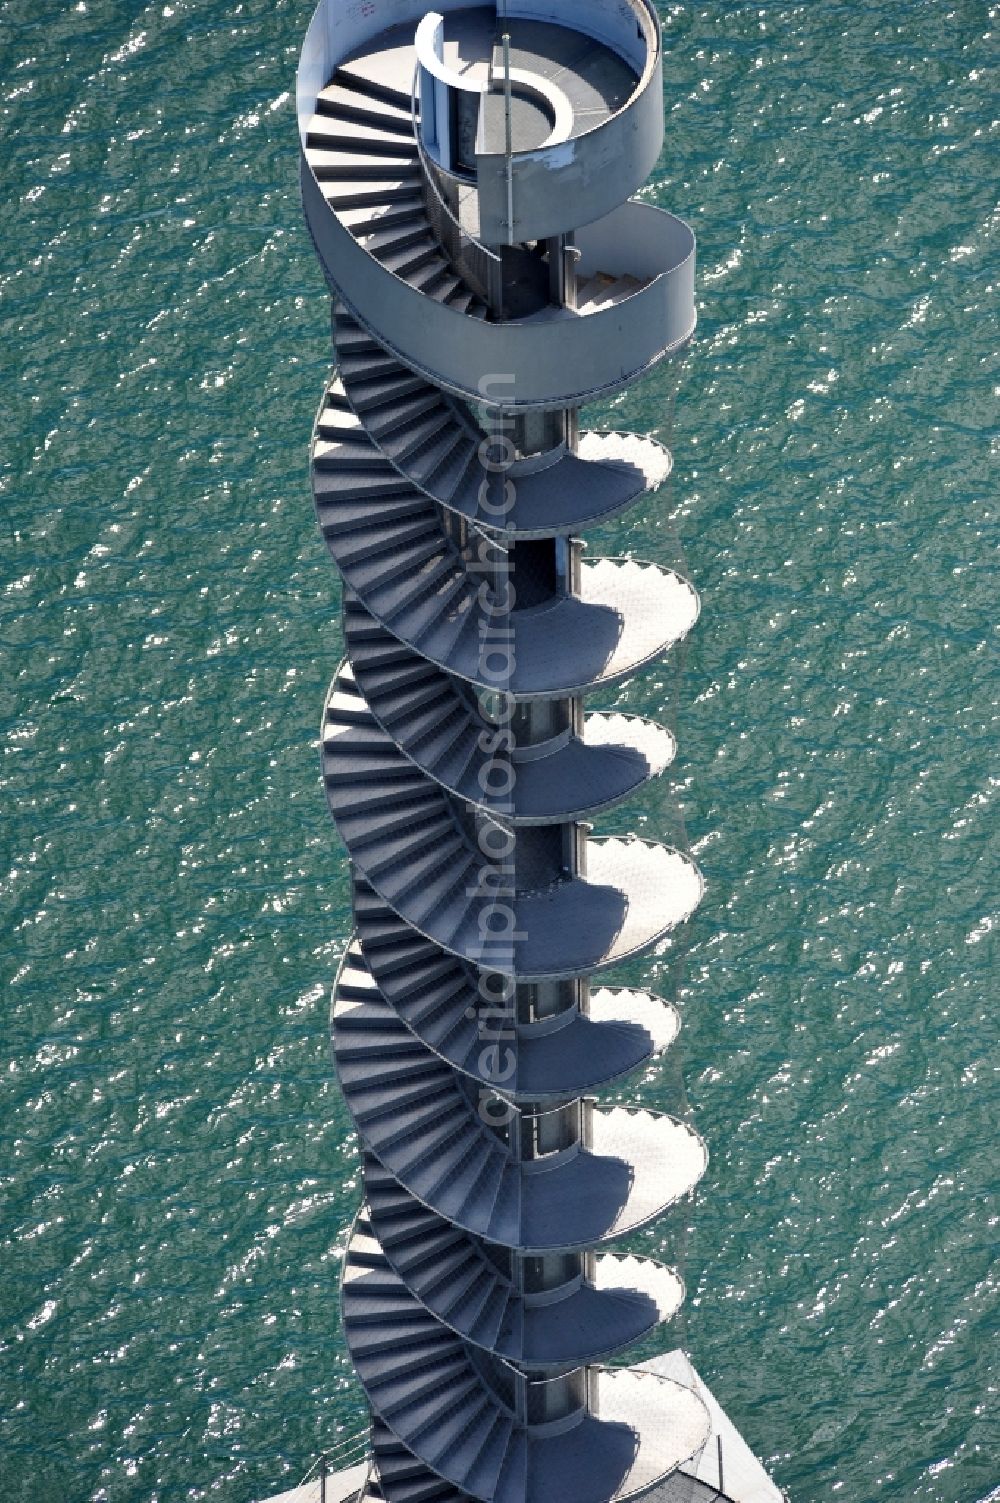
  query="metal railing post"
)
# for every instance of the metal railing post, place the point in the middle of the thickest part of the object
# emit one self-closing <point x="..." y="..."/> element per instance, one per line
<point x="509" y="125"/>
<point x="322" y="1479"/>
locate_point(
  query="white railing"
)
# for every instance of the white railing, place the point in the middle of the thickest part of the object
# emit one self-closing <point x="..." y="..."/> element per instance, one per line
<point x="349" y="1452"/>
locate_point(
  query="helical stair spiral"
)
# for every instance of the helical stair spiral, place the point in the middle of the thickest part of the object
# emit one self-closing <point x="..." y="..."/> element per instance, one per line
<point x="466" y="179"/>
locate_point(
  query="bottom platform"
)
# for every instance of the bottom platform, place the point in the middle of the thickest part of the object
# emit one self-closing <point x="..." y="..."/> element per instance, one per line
<point x="725" y="1471"/>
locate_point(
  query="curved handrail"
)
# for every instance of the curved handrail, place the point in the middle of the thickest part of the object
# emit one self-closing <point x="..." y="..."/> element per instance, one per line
<point x="562" y="183"/>
<point x="361" y="29"/>
<point x="334" y="33"/>
<point x="646" y="11"/>
<point x="602" y="1240"/>
<point x="561" y="359"/>
<point x="429" y="38"/>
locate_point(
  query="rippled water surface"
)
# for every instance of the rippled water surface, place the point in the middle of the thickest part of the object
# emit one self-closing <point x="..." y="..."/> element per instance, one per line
<point x="177" y="1171"/>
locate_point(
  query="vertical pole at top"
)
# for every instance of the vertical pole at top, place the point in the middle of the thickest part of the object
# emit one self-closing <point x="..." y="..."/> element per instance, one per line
<point x="322" y="1479"/>
<point x="508" y="107"/>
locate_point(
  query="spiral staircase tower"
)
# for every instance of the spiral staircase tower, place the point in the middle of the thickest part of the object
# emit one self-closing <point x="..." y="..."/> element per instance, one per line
<point x="467" y="179"/>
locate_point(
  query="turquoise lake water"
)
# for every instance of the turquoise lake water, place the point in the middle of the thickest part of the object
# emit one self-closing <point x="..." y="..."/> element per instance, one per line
<point x="176" y="1167"/>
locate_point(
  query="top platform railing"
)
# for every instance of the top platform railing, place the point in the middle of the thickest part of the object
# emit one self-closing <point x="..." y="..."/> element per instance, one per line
<point x="559" y="184"/>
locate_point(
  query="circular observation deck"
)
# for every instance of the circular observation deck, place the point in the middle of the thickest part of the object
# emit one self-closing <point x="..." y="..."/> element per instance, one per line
<point x="586" y="131"/>
<point x="555" y="69"/>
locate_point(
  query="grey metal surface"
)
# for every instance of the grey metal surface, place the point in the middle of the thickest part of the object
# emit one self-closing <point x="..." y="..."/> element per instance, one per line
<point x="402" y="564"/>
<point x="427" y="439"/>
<point x="725" y="1469"/>
<point x="435" y="994"/>
<point x="560" y="187"/>
<point x="475" y="1306"/>
<point x="447" y="1269"/>
<point x="434" y="1399"/>
<point x="406" y="843"/>
<point x="438" y="726"/>
<point x="350" y="162"/>
<point x="415" y="1116"/>
<point x="560" y="359"/>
